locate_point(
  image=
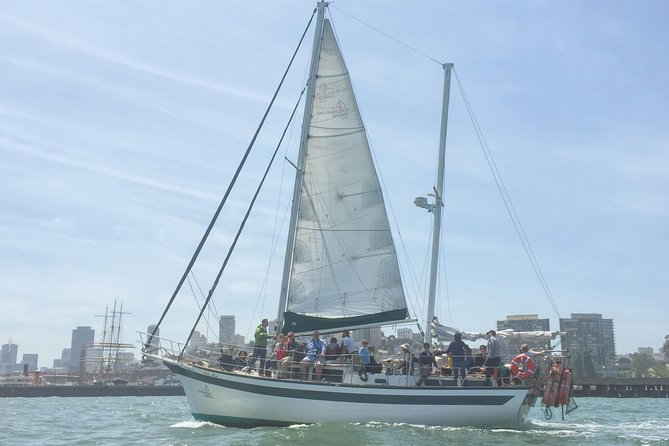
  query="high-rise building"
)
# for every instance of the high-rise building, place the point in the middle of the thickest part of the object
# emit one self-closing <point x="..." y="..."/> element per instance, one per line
<point x="405" y="334"/>
<point x="591" y="343"/>
<point x="8" y="357"/>
<point x="9" y="354"/>
<point x="374" y="336"/>
<point x="522" y="323"/>
<point x="65" y="359"/>
<point x="226" y="329"/>
<point x="198" y="339"/>
<point x="31" y="360"/>
<point x="81" y="338"/>
<point x="646" y="351"/>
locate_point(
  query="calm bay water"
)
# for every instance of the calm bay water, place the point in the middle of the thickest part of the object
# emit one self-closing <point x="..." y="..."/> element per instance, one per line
<point x="167" y="421"/>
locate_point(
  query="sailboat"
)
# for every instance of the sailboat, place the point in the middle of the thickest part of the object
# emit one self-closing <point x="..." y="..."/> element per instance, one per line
<point x="341" y="271"/>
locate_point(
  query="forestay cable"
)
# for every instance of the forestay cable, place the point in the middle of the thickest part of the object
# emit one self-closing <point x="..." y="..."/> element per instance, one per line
<point x="227" y="192"/>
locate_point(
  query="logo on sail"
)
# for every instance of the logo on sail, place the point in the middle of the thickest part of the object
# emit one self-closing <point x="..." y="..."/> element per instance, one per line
<point x="339" y="110"/>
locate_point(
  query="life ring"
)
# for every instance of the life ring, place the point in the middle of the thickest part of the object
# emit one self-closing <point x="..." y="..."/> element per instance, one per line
<point x="523" y="367"/>
<point x="362" y="373"/>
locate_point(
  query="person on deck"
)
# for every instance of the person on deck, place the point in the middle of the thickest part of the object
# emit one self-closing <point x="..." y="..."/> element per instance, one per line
<point x="278" y="353"/>
<point x="374" y="366"/>
<point x="534" y="354"/>
<point x="426" y="362"/>
<point x="260" y="348"/>
<point x="479" y="359"/>
<point x="364" y="354"/>
<point x="315" y="355"/>
<point x="285" y="364"/>
<point x="348" y="346"/>
<point x="459" y="351"/>
<point x="408" y="360"/>
<point x="242" y="362"/>
<point x="493" y="360"/>
<point x="333" y="350"/>
<point x="226" y="361"/>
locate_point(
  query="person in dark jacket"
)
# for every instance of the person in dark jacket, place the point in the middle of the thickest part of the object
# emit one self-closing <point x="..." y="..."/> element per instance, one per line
<point x="426" y="363"/>
<point x="459" y="352"/>
<point x="374" y="366"/>
<point x="226" y="361"/>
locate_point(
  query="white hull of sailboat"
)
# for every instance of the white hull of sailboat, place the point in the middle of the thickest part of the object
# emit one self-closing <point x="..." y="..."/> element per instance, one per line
<point x="247" y="401"/>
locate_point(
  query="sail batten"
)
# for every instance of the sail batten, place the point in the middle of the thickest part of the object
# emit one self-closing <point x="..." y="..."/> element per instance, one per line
<point x="344" y="269"/>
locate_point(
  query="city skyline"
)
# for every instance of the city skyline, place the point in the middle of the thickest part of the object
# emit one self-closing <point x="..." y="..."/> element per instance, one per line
<point x="530" y="322"/>
<point x="121" y="127"/>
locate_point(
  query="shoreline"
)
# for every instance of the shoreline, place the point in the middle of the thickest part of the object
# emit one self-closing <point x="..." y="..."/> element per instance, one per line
<point x="88" y="391"/>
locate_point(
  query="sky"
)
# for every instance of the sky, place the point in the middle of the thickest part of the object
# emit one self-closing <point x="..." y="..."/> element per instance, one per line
<point x="122" y="123"/>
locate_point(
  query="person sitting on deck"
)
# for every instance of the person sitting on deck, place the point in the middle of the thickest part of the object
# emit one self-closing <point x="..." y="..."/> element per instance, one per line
<point x="479" y="359"/>
<point x="285" y="364"/>
<point x="364" y="354"/>
<point x="315" y="355"/>
<point x="347" y="347"/>
<point x="426" y="361"/>
<point x="374" y="366"/>
<point x="226" y="361"/>
<point x="333" y="350"/>
<point x="242" y="361"/>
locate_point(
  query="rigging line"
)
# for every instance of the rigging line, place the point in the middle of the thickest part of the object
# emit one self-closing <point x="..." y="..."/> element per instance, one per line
<point x="230" y="186"/>
<point x="506" y="198"/>
<point x="213" y="304"/>
<point x="522" y="234"/>
<point x="417" y="51"/>
<point x="509" y="205"/>
<point x="243" y="223"/>
<point x="276" y="233"/>
<point x="192" y="290"/>
<point x="213" y="310"/>
<point x="415" y="282"/>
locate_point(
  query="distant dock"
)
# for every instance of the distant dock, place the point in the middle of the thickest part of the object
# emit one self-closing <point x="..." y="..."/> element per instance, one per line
<point x="627" y="388"/>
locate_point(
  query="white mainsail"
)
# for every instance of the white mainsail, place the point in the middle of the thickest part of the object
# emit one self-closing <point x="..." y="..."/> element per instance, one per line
<point x="345" y="270"/>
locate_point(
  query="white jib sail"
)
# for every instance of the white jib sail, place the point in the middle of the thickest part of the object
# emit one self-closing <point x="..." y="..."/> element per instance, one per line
<point x="345" y="263"/>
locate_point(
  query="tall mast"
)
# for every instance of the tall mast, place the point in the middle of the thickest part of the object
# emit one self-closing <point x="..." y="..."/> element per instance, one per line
<point x="302" y="154"/>
<point x="438" y="206"/>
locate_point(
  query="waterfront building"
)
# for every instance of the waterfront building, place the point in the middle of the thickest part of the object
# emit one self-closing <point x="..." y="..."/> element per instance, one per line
<point x="373" y="334"/>
<point x="198" y="339"/>
<point x="65" y="358"/>
<point x="590" y="341"/>
<point x="405" y="334"/>
<point x="9" y="353"/>
<point x="30" y="359"/>
<point x="8" y="357"/>
<point x="238" y="340"/>
<point x="522" y="323"/>
<point x="81" y="338"/>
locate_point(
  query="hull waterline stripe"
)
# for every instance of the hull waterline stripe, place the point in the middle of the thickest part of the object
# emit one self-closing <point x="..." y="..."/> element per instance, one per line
<point x="402" y="397"/>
